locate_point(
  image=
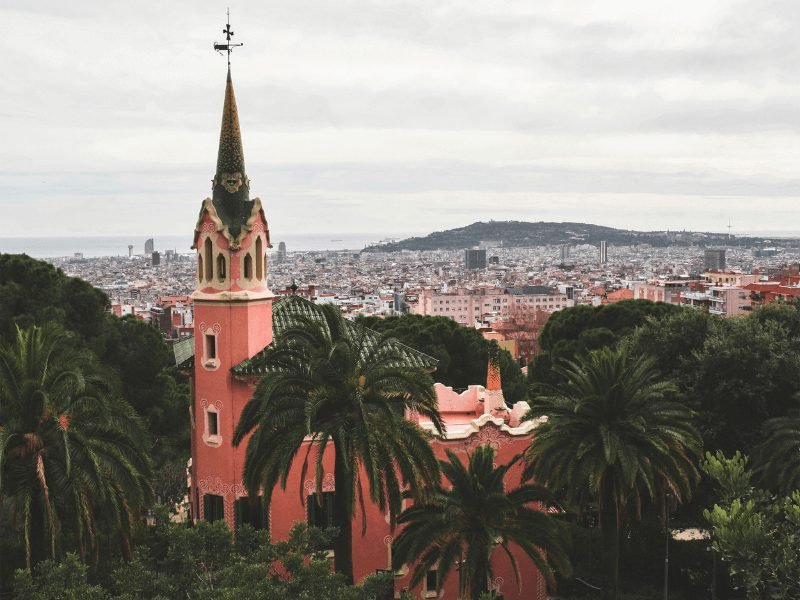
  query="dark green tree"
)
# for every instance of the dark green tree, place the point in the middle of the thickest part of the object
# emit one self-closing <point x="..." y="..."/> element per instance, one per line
<point x="575" y="331"/>
<point x="334" y="382"/>
<point x="614" y="434"/>
<point x="474" y="515"/>
<point x="33" y="291"/>
<point x="72" y="456"/>
<point x="461" y="351"/>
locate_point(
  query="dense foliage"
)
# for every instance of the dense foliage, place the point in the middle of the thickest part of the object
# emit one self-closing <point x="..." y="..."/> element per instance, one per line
<point x="204" y="562"/>
<point x="573" y="332"/>
<point x="754" y="532"/>
<point x="93" y="423"/>
<point x="461" y="351"/>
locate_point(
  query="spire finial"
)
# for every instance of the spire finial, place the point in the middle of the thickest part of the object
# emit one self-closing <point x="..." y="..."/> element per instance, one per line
<point x="228" y="46"/>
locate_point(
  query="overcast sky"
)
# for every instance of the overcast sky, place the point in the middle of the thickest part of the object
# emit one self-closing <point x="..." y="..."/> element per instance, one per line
<point x="399" y="117"/>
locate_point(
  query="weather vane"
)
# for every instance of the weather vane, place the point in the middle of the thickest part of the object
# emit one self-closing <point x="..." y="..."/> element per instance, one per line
<point x="228" y="46"/>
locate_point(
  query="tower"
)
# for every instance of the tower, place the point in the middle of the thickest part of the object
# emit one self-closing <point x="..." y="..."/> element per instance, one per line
<point x="714" y="259"/>
<point x="233" y="320"/>
<point x="603" y="252"/>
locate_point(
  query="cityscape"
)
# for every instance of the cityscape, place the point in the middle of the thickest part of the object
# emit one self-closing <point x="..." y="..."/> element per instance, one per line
<point x="516" y="315"/>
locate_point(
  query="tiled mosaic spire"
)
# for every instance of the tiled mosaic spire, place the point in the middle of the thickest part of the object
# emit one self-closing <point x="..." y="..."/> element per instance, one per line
<point x="493" y="372"/>
<point x="231" y="187"/>
<point x="230" y="158"/>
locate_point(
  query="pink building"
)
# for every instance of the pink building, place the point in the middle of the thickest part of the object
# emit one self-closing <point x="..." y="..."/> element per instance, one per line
<point x="663" y="290"/>
<point x="469" y="306"/>
<point x="236" y="317"/>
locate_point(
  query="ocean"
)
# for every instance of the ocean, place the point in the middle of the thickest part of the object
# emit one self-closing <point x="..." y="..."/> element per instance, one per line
<point x="55" y="247"/>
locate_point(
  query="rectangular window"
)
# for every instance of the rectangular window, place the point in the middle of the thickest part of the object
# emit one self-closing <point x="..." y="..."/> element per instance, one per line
<point x="432" y="580"/>
<point x="213" y="423"/>
<point x="320" y="510"/>
<point x="250" y="511"/>
<point x="213" y="507"/>
<point x="211" y="346"/>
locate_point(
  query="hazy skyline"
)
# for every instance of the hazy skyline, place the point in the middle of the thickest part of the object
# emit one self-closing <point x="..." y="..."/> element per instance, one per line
<point x="404" y="116"/>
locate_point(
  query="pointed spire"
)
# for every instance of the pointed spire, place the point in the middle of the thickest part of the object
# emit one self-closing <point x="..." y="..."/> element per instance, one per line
<point x="230" y="158"/>
<point x="231" y="187"/>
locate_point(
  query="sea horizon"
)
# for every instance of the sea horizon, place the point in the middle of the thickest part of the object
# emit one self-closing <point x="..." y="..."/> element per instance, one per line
<point x="117" y="245"/>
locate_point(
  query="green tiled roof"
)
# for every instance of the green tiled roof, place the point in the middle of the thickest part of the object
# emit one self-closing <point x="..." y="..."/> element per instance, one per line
<point x="183" y="350"/>
<point x="287" y="312"/>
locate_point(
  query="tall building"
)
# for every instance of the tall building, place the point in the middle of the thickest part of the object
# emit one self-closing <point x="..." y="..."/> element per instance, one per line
<point x="281" y="251"/>
<point x="475" y="259"/>
<point x="155" y="259"/>
<point x="714" y="259"/>
<point x="148" y="247"/>
<point x="603" y="252"/>
<point x="130" y="250"/>
<point x="564" y="253"/>
<point x="235" y="319"/>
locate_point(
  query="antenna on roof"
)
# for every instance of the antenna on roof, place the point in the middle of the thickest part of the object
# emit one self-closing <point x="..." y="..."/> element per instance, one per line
<point x="228" y="46"/>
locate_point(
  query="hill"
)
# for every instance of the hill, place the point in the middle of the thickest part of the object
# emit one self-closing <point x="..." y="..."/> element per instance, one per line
<point x="522" y="234"/>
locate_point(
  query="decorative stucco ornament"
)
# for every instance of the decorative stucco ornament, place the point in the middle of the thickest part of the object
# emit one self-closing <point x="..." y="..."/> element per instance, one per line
<point x="232" y="181"/>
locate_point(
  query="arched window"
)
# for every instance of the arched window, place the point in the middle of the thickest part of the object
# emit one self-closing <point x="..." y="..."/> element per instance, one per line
<point x="221" y="270"/>
<point x="248" y="266"/>
<point x="259" y="260"/>
<point x="209" y="260"/>
<point x="199" y="267"/>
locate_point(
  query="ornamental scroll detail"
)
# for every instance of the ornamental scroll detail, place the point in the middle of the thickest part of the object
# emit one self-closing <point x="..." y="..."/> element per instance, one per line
<point x="213" y="328"/>
<point x="215" y="403"/>
<point x="328" y="484"/>
<point x="214" y="485"/>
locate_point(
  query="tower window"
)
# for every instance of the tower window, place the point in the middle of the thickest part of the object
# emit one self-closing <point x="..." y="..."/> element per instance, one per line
<point x="199" y="267"/>
<point x="259" y="259"/>
<point x="208" y="249"/>
<point x="213" y="507"/>
<point x="248" y="266"/>
<point x="213" y="422"/>
<point x="211" y="346"/>
<point x="221" y="267"/>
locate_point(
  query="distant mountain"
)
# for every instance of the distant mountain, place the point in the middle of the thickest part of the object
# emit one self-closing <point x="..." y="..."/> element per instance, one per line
<point x="522" y="234"/>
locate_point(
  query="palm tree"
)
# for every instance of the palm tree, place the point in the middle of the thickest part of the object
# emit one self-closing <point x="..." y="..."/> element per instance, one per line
<point x="464" y="523"/>
<point x="614" y="434"/>
<point x="70" y="455"/>
<point x="777" y="458"/>
<point x="330" y="382"/>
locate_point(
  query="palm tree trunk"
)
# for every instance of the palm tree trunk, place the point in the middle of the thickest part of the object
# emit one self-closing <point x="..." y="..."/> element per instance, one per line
<point x="342" y="509"/>
<point x="480" y="584"/>
<point x="610" y="529"/>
